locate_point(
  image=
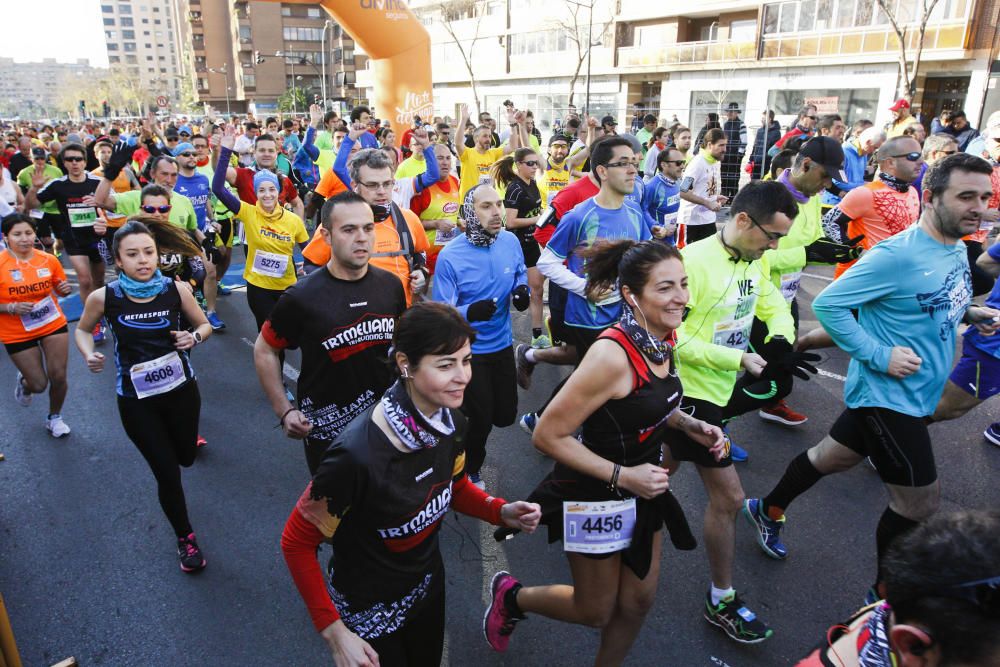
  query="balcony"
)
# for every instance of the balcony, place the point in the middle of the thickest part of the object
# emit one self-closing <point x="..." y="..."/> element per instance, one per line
<point x="942" y="36"/>
<point x="685" y="53"/>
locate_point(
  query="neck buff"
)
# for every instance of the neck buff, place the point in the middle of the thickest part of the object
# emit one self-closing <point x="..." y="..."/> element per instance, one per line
<point x="414" y="428"/>
<point x="655" y="349"/>
<point x="875" y="651"/>
<point x="708" y="158"/>
<point x="786" y="179"/>
<point x="666" y="180"/>
<point x="139" y="289"/>
<point x="893" y="182"/>
<point x="474" y="230"/>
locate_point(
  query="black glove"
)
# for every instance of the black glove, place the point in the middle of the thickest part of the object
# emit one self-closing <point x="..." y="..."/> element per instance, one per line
<point x="480" y="311"/>
<point x="211" y="251"/>
<point x="121" y="155"/>
<point x="521" y="297"/>
<point x="828" y="251"/>
<point x="782" y="360"/>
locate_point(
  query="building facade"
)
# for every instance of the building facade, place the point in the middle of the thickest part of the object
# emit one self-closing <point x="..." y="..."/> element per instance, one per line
<point x="674" y="59"/>
<point x="141" y="38"/>
<point x="243" y="56"/>
<point x="32" y="90"/>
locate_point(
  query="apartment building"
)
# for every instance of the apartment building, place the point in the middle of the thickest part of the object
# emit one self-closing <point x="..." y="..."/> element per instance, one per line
<point x="242" y="56"/>
<point x="141" y="38"/>
<point x="674" y="58"/>
<point x="32" y="89"/>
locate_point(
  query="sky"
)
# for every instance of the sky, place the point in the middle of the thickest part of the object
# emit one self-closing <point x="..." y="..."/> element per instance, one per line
<point x="60" y="29"/>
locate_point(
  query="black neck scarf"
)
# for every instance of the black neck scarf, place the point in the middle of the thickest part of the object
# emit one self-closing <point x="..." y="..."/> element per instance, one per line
<point x="415" y="429"/>
<point x="656" y="350"/>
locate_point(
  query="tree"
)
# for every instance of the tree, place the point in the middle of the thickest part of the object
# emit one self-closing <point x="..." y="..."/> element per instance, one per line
<point x="579" y="29"/>
<point x="908" y="67"/>
<point x="293" y="99"/>
<point x="456" y="10"/>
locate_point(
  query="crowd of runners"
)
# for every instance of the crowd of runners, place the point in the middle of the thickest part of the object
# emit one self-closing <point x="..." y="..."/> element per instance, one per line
<point x="661" y="268"/>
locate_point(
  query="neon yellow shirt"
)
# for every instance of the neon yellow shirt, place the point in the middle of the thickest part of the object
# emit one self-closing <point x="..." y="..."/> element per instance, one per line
<point x="181" y="211"/>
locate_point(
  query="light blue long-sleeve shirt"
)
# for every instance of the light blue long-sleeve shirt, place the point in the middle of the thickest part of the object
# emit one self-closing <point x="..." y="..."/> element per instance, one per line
<point x="466" y="273"/>
<point x="911" y="291"/>
<point x="305" y="158"/>
<point x="855" y="163"/>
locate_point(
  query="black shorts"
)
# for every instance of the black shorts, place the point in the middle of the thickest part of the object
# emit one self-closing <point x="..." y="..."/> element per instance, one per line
<point x="227" y="231"/>
<point x="51" y="224"/>
<point x="557" y="313"/>
<point x="529" y="247"/>
<point x="83" y="244"/>
<point x="581" y="338"/>
<point x="14" y="348"/>
<point x="899" y="445"/>
<point x="683" y="448"/>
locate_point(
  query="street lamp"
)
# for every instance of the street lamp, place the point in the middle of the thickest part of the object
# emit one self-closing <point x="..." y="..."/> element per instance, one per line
<point x="223" y="70"/>
<point x="302" y="61"/>
<point x="326" y="24"/>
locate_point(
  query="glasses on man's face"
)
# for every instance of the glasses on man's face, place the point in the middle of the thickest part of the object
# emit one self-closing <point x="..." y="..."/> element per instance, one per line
<point x="811" y="117"/>
<point x="679" y="163"/>
<point x="173" y="139"/>
<point x="73" y="158"/>
<point x="156" y="209"/>
<point x="530" y="163"/>
<point x="186" y="154"/>
<point x="386" y="185"/>
<point x="912" y="157"/>
<point x="627" y="164"/>
<point x="771" y="236"/>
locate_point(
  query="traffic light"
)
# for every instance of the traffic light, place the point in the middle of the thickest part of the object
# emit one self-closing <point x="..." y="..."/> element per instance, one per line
<point x="257" y="58"/>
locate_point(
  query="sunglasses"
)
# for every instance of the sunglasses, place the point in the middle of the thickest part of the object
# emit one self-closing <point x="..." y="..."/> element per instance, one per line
<point x="679" y="163"/>
<point x="74" y="159"/>
<point x="186" y="154"/>
<point x="912" y="157"/>
<point x="530" y="163"/>
<point x="157" y="209"/>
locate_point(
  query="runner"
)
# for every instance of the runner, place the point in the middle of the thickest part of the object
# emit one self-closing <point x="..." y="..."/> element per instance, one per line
<point x="342" y="317"/>
<point x="475" y="160"/>
<point x="221" y="219"/>
<point x="700" y="204"/>
<point x="729" y="281"/>
<point x="909" y="292"/>
<point x="495" y="256"/>
<point x="32" y="325"/>
<point x="621" y="400"/>
<point x="47" y="217"/>
<point x="662" y="195"/>
<point x="125" y="182"/>
<point x="73" y="194"/>
<point x="857" y="152"/>
<point x="158" y="399"/>
<point x="522" y="203"/>
<point x="437" y="206"/>
<point x="657" y="144"/>
<point x="265" y="157"/>
<point x="379" y="497"/>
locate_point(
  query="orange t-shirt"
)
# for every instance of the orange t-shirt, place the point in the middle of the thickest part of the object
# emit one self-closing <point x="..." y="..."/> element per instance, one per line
<point x="30" y="281"/>
<point x="386" y="241"/>
<point x="330" y="185"/>
<point x="878" y="212"/>
<point x="993" y="204"/>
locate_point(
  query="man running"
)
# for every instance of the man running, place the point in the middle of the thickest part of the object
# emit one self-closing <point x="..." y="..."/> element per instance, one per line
<point x="265" y="156"/>
<point x="476" y="160"/>
<point x="702" y="202"/>
<point x="909" y="292"/>
<point x="47" y="217"/>
<point x="437" y="206"/>
<point x="342" y="316"/>
<point x="661" y="197"/>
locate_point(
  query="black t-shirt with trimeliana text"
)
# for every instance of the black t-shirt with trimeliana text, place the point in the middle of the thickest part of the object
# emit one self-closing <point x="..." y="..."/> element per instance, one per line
<point x="344" y="329"/>
<point x="77" y="216"/>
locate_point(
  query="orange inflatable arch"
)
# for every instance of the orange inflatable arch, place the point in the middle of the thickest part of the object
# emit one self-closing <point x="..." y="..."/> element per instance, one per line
<point x="401" y="48"/>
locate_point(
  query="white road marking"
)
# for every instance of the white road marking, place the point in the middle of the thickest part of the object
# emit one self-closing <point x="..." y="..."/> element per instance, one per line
<point x="813" y="275"/>
<point x="828" y="374"/>
<point x="290" y="371"/>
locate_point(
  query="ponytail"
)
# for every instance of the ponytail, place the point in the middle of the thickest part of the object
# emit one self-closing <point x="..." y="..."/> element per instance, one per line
<point x="169" y="238"/>
<point x="624" y="261"/>
<point x="503" y="171"/>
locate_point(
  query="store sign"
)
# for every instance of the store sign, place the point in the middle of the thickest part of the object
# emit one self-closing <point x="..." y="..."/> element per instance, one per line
<point x="823" y="104"/>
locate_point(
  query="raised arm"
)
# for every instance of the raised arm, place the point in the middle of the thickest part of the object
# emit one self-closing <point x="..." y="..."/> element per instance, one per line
<point x="228" y="199"/>
<point x="433" y="172"/>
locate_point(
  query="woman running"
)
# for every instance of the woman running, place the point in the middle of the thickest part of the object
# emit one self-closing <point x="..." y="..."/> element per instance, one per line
<point x="158" y="398"/>
<point x="32" y="326"/>
<point x="178" y="260"/>
<point x="523" y="204"/>
<point x="622" y="398"/>
<point x="380" y="495"/>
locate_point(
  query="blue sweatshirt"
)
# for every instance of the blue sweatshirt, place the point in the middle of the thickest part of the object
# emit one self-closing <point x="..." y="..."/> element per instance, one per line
<point x="988" y="344"/>
<point x="305" y="158"/>
<point x="420" y="182"/>
<point x="662" y="200"/>
<point x="466" y="273"/>
<point x="910" y="291"/>
<point x="855" y="163"/>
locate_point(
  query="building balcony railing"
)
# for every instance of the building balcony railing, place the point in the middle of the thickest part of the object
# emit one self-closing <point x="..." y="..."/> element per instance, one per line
<point x="685" y="53"/>
<point x="860" y="42"/>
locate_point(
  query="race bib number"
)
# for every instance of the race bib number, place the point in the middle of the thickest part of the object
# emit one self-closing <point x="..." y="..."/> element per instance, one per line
<point x="158" y="376"/>
<point x="734" y="333"/>
<point x="442" y="238"/>
<point x="36" y="213"/>
<point x="485" y="178"/>
<point x="598" y="527"/>
<point x="790" y="285"/>
<point x="44" y="312"/>
<point x="985" y="225"/>
<point x="83" y="216"/>
<point x="670" y="218"/>
<point x="270" y="264"/>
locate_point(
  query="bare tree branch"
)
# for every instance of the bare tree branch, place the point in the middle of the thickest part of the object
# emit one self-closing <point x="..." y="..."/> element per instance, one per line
<point x="908" y="73"/>
<point x="574" y="32"/>
<point x="451" y="11"/>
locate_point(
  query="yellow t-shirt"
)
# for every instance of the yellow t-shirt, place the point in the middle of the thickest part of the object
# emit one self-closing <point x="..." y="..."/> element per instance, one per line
<point x="476" y="168"/>
<point x="271" y="241"/>
<point x="552" y="180"/>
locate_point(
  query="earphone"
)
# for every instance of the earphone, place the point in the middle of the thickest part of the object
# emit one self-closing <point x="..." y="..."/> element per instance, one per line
<point x="406" y="372"/>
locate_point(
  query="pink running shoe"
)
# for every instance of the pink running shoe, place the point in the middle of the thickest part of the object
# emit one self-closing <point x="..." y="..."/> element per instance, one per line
<point x="498" y="622"/>
<point x="189" y="554"/>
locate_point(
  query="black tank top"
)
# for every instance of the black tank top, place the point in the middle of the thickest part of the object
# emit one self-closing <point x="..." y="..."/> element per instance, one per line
<point x="630" y="430"/>
<point x="142" y="333"/>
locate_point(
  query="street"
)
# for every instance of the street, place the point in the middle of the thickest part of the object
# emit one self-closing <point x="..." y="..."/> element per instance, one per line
<point x="88" y="565"/>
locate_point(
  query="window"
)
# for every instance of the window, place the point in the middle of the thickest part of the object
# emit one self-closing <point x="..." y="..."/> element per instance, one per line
<point x="250" y="80"/>
<point x="151" y="69"/>
<point x="156" y="10"/>
<point x="124" y="9"/>
<point x="107" y="9"/>
<point x="109" y="21"/>
<point x="131" y="60"/>
<point x="114" y="59"/>
<point x="110" y="35"/>
<point x="302" y="34"/>
<point x="537" y="42"/>
<point x="129" y="46"/>
<point x="112" y="47"/>
<point x="286" y="11"/>
<point x="156" y="21"/>
<point x="202" y="83"/>
<point x="244" y="32"/>
<point x="128" y="34"/>
<point x="126" y="21"/>
<point x="149" y="46"/>
<point x="149" y="57"/>
<point x="743" y="31"/>
<point x="145" y="20"/>
<point x="163" y="70"/>
<point x="312" y="12"/>
<point x="145" y="33"/>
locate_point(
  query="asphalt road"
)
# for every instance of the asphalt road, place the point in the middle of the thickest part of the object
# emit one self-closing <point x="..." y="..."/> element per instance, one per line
<point x="88" y="567"/>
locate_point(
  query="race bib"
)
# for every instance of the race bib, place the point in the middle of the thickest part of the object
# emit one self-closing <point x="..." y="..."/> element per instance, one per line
<point x="270" y="264"/>
<point x="36" y="213"/>
<point x="598" y="527"/>
<point x="486" y="178"/>
<point x="670" y="218"/>
<point x="985" y="225"/>
<point x="790" y="284"/>
<point x="158" y="376"/>
<point x="442" y="238"/>
<point x="44" y="312"/>
<point x="734" y="333"/>
<point x="83" y="216"/>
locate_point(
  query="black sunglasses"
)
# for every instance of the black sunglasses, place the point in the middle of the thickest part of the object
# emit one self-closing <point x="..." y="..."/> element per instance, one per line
<point x="679" y="163"/>
<point x="156" y="209"/>
<point x="74" y="159"/>
<point x="530" y="163"/>
<point x="912" y="157"/>
<point x="186" y="154"/>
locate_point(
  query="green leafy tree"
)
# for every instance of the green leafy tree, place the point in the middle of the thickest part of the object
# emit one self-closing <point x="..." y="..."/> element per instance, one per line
<point x="293" y="99"/>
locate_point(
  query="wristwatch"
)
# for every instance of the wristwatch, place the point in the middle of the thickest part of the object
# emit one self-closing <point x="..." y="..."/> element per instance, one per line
<point x="197" y="338"/>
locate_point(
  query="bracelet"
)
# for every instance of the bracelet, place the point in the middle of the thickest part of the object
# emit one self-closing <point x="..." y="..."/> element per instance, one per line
<point x="613" y="484"/>
<point x="281" y="422"/>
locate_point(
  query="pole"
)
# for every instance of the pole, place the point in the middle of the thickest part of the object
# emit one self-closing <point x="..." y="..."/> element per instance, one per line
<point x="294" y="100"/>
<point x="228" y="111"/>
<point x="590" y="49"/>
<point x="326" y="25"/>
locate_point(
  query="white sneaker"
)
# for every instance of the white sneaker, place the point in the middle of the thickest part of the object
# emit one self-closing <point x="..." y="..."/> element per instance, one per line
<point x="21" y="394"/>
<point x="57" y="427"/>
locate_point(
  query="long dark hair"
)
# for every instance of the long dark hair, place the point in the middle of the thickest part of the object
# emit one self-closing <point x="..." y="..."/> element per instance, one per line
<point x="167" y="236"/>
<point x="432" y="328"/>
<point x="503" y="170"/>
<point x="624" y="260"/>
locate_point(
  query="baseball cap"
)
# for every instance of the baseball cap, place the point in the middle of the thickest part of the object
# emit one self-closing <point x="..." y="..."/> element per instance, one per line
<point x="827" y="153"/>
<point x="181" y="147"/>
<point x="104" y="140"/>
<point x="733" y="106"/>
<point x="170" y="133"/>
<point x="39" y="152"/>
<point x="608" y="120"/>
<point x="558" y="137"/>
<point x="184" y="129"/>
<point x="900" y="104"/>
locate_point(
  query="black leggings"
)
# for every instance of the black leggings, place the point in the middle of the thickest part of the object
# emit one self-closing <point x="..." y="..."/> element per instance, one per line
<point x="261" y="302"/>
<point x="420" y="642"/>
<point x="490" y="400"/>
<point x="164" y="429"/>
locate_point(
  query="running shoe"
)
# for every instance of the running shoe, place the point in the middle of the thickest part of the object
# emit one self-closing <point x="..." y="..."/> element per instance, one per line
<point x="189" y="554"/>
<point x="201" y="441"/>
<point x="541" y="342"/>
<point x="780" y="413"/>
<point x="224" y="290"/>
<point x="215" y="321"/>
<point x="56" y="427"/>
<point x="98" y="333"/>
<point x="524" y="367"/>
<point x="527" y="422"/>
<point x="736" y="620"/>
<point x="498" y="621"/>
<point x="992" y="433"/>
<point x="199" y="296"/>
<point x="21" y="395"/>
<point x="768" y="530"/>
<point x="477" y="480"/>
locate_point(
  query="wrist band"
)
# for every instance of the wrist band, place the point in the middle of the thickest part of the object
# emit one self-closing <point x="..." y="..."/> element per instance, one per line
<point x="281" y="422"/>
<point x="613" y="484"/>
